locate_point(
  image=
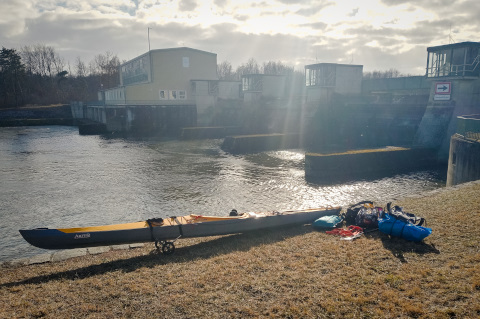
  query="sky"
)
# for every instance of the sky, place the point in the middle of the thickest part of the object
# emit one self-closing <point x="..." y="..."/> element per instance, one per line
<point x="378" y="34"/>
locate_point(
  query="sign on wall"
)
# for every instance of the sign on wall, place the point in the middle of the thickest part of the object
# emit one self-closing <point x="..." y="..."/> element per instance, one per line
<point x="442" y="91"/>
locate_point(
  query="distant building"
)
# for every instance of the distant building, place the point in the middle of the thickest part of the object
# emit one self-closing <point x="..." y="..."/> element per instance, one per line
<point x="162" y="77"/>
<point x="454" y="60"/>
<point x="263" y="86"/>
<point x="324" y="79"/>
<point x="171" y="77"/>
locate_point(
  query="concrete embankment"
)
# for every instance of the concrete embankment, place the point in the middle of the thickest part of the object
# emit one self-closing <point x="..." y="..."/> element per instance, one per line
<point x="64" y="255"/>
<point x="36" y="115"/>
<point x="244" y="144"/>
<point x="464" y="159"/>
<point x="192" y="133"/>
<point x="362" y="163"/>
<point x="36" y="122"/>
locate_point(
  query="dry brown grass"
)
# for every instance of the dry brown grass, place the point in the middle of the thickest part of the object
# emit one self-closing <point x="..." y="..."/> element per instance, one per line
<point x="289" y="273"/>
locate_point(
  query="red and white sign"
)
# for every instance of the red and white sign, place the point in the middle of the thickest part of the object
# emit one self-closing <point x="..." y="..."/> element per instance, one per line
<point x="443" y="87"/>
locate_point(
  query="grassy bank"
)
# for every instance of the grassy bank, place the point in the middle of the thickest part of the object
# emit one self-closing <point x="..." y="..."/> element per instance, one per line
<point x="292" y="273"/>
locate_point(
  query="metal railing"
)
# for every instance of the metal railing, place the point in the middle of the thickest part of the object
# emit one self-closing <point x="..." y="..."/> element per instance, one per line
<point x="473" y="135"/>
<point x="462" y="69"/>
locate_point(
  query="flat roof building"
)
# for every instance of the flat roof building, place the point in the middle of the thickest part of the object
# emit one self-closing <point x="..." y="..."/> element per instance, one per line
<point x="162" y="77"/>
<point x="454" y="60"/>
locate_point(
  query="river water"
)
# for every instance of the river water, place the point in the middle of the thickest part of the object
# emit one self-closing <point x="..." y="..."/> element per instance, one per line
<point x="53" y="177"/>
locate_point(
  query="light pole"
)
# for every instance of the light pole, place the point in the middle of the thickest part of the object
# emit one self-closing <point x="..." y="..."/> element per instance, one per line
<point x="148" y="35"/>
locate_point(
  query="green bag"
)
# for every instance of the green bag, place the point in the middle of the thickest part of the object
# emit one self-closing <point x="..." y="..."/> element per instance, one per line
<point x="327" y="222"/>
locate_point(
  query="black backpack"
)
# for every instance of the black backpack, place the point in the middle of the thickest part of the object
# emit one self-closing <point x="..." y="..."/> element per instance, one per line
<point x="363" y="214"/>
<point x="352" y="212"/>
<point x="367" y="217"/>
<point x="398" y="213"/>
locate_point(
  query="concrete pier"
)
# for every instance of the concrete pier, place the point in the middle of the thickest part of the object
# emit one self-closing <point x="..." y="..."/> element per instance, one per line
<point x="193" y="133"/>
<point x="366" y="162"/>
<point x="244" y="144"/>
<point x="464" y="159"/>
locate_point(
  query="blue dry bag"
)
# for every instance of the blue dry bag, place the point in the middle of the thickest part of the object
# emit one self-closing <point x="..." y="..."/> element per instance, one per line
<point x="400" y="224"/>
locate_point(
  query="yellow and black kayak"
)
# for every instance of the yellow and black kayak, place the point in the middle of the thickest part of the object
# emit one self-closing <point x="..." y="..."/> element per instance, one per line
<point x="172" y="228"/>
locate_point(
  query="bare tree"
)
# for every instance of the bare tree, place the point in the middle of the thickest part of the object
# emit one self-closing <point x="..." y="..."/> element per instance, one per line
<point x="391" y="73"/>
<point x="42" y="60"/>
<point x="80" y="68"/>
<point x="277" y="68"/>
<point x="251" y="67"/>
<point x="106" y="66"/>
<point x="225" y="71"/>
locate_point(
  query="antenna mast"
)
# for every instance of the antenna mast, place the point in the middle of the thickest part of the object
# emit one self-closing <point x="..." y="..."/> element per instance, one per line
<point x="148" y="35"/>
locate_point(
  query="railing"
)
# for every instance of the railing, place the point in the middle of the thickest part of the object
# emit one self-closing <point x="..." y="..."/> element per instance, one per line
<point x="473" y="135"/>
<point x="461" y="69"/>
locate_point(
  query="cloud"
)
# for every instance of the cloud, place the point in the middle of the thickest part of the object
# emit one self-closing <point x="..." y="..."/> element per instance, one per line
<point x="353" y="12"/>
<point x="13" y="14"/>
<point x="311" y="10"/>
<point x="377" y="34"/>
<point x="187" y="5"/>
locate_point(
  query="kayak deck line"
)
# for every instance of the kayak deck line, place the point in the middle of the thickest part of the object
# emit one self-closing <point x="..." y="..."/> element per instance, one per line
<point x="171" y="221"/>
<point x="181" y="220"/>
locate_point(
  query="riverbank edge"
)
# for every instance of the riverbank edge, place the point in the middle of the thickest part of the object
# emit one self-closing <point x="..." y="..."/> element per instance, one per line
<point x="67" y="254"/>
<point x="62" y="255"/>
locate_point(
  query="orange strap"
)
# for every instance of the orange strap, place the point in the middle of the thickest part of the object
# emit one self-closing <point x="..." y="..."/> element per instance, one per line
<point x="351" y="231"/>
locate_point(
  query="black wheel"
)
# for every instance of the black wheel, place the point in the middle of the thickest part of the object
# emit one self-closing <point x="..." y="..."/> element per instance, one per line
<point x="168" y="248"/>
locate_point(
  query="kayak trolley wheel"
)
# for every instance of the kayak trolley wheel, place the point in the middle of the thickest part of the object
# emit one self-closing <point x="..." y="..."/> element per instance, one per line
<point x="168" y="248"/>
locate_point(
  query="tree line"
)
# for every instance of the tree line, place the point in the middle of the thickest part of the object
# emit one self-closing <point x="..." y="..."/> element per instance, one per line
<point x="38" y="75"/>
<point x="226" y="72"/>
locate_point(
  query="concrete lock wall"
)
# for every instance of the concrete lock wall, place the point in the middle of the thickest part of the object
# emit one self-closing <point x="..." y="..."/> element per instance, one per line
<point x="160" y="119"/>
<point x="245" y="144"/>
<point x="439" y="122"/>
<point x="464" y="160"/>
<point x="468" y="123"/>
<point x="77" y="109"/>
<point x="362" y="163"/>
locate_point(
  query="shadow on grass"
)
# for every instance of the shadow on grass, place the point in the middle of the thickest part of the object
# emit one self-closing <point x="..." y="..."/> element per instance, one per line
<point x="204" y="250"/>
<point x="399" y="246"/>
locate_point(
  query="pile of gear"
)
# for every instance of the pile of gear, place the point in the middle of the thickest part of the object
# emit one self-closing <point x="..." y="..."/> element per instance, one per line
<point x="365" y="216"/>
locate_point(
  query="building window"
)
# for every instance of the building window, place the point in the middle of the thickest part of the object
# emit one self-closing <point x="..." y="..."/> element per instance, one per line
<point x="173" y="94"/>
<point x="163" y="95"/>
<point x="136" y="71"/>
<point x="453" y="60"/>
<point x="310" y="77"/>
<point x="213" y="88"/>
<point x="323" y="75"/>
<point x="252" y="83"/>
